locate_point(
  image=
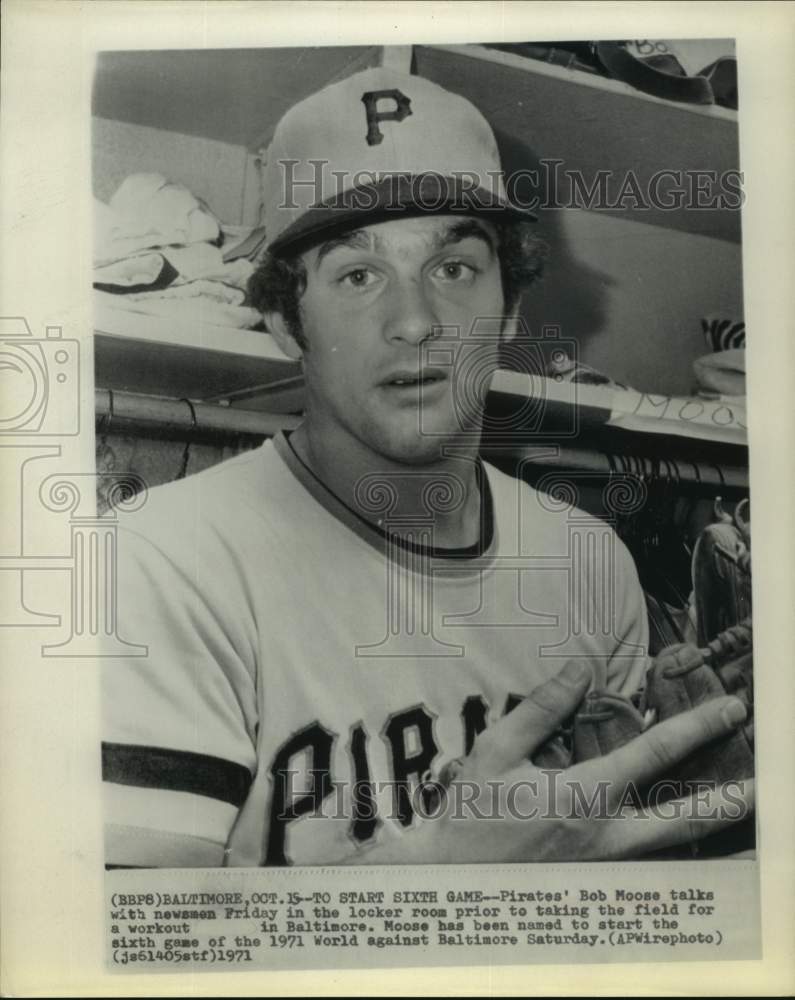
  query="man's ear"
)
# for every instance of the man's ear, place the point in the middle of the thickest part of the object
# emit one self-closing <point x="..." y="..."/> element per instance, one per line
<point x="277" y="327"/>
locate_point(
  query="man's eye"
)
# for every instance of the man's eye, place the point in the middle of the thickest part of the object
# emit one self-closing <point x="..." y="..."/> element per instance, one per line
<point x="360" y="277"/>
<point x="455" y="270"/>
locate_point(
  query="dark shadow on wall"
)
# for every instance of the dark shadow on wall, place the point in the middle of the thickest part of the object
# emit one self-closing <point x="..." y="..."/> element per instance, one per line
<point x="570" y="295"/>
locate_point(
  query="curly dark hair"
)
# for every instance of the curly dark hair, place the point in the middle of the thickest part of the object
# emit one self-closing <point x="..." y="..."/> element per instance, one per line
<point x="278" y="282"/>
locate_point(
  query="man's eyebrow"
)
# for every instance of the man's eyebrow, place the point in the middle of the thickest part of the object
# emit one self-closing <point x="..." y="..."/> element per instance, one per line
<point x="358" y="239"/>
<point x="462" y="230"/>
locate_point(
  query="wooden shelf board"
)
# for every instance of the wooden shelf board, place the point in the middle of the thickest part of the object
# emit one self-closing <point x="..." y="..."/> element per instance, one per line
<point x="147" y="354"/>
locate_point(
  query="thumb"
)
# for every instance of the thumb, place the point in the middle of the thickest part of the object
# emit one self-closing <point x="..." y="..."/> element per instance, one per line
<point x="514" y="738"/>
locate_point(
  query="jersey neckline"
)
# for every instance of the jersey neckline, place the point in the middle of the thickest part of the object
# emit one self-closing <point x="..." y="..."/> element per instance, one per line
<point x="409" y="554"/>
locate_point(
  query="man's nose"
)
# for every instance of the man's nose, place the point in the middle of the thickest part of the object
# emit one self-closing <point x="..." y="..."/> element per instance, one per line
<point x="411" y="316"/>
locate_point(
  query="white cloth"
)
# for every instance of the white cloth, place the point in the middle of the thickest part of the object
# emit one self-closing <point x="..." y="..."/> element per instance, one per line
<point x="150" y="224"/>
<point x="722" y="372"/>
<point x="148" y="211"/>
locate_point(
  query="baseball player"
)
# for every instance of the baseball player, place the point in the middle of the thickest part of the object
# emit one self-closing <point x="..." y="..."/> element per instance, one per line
<point x="355" y="618"/>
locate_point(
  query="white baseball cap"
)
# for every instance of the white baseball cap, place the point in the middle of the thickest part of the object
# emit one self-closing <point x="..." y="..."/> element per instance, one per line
<point x="376" y="144"/>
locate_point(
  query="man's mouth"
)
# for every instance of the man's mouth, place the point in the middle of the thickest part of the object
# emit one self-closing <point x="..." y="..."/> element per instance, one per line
<point x="407" y="379"/>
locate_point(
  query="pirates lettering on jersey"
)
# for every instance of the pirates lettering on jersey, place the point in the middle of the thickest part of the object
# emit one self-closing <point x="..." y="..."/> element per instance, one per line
<point x="413" y="747"/>
<point x="474" y="714"/>
<point x="365" y="820"/>
<point x="316" y="742"/>
<point x="303" y="775"/>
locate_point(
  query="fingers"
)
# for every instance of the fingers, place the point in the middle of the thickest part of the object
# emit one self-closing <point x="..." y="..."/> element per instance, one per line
<point x="509" y="742"/>
<point x="656" y="751"/>
<point x="680" y="821"/>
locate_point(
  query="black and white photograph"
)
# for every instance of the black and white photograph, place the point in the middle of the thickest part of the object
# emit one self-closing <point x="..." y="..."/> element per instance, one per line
<point x="433" y="368"/>
<point x="413" y="559"/>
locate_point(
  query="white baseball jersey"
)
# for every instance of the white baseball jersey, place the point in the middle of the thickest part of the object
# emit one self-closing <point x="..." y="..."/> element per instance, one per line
<point x="305" y="671"/>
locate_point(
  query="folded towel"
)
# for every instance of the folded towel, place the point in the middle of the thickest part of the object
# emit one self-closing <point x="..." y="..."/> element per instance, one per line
<point x="146" y="212"/>
<point x="722" y="372"/>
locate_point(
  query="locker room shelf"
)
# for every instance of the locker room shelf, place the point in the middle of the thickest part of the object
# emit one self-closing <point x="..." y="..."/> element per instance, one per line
<point x="164" y="357"/>
<point x="531" y="105"/>
<point x="246" y="369"/>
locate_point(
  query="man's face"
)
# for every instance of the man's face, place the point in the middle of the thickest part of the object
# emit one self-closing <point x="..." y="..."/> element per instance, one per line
<point x="381" y="377"/>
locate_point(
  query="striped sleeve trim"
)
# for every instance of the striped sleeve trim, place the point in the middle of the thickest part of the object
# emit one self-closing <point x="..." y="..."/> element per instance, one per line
<point x="176" y="770"/>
